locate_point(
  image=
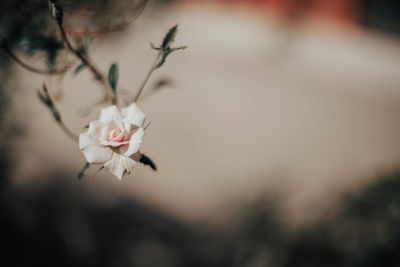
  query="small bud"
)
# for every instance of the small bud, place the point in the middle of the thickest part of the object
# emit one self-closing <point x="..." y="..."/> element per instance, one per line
<point x="165" y="49"/>
<point x="169" y="38"/>
<point x="55" y="11"/>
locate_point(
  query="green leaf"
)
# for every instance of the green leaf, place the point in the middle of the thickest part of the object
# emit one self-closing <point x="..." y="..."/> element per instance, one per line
<point x="82" y="172"/>
<point x="44" y="99"/>
<point x="113" y="76"/>
<point x="169" y="38"/>
<point x="56" y="114"/>
<point x="79" y="68"/>
<point x="145" y="160"/>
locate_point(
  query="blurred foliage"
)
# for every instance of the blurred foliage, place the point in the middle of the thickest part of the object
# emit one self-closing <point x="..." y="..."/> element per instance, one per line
<point x="57" y="223"/>
<point x="61" y="225"/>
<point x="27" y="25"/>
<point x="383" y="15"/>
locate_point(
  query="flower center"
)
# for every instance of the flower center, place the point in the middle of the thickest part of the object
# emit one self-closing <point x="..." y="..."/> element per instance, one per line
<point x="115" y="134"/>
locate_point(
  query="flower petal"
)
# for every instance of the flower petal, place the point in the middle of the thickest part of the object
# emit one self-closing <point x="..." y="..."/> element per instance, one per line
<point x="94" y="130"/>
<point x="134" y="143"/>
<point x="134" y="114"/>
<point x="113" y="144"/>
<point x="120" y="165"/>
<point x="85" y="141"/>
<point x="97" y="154"/>
<point x="109" y="113"/>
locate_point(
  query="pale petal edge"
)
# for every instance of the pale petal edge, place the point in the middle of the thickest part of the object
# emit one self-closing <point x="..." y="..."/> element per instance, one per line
<point x="109" y="113"/>
<point x="97" y="154"/>
<point x="134" y="114"/>
<point x="120" y="165"/>
<point x="134" y="143"/>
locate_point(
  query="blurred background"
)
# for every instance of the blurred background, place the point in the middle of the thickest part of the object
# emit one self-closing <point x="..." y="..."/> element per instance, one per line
<point x="275" y="134"/>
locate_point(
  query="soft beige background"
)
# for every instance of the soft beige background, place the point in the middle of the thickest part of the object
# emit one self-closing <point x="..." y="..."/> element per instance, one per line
<point x="239" y="120"/>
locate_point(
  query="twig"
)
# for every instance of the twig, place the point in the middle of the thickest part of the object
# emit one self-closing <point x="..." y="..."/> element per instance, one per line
<point x="46" y="99"/>
<point x="164" y="51"/>
<point x="110" y="95"/>
<point x="68" y="132"/>
<point x="144" y="83"/>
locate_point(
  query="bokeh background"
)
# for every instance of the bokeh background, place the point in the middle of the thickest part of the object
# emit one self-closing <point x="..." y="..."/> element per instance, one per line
<point x="275" y="135"/>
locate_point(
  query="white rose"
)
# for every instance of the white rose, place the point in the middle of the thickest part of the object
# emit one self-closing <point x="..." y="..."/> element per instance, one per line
<point x="114" y="140"/>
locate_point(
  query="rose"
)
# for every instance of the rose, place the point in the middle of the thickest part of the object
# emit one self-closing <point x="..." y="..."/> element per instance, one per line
<point x="114" y="140"/>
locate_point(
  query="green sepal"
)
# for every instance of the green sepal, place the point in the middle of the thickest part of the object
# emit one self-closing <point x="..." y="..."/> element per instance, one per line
<point x="145" y="160"/>
<point x="82" y="172"/>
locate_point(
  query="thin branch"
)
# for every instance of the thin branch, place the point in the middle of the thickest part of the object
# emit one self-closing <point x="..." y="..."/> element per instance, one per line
<point x="68" y="132"/>
<point x="110" y="95"/>
<point x="30" y="68"/>
<point x="164" y="51"/>
<point x="146" y="79"/>
<point x="46" y="99"/>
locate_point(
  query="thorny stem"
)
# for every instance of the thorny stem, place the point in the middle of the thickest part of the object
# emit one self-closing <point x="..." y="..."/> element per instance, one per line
<point x="110" y="95"/>
<point x="30" y="68"/>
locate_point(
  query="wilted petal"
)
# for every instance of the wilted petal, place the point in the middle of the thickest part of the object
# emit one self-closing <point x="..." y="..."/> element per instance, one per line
<point x="109" y="113"/>
<point x="97" y="154"/>
<point x="120" y="165"/>
<point x="134" y="114"/>
<point x="134" y="143"/>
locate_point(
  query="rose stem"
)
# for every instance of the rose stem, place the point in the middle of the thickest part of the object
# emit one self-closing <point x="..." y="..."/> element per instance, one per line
<point x="153" y="68"/>
<point x="59" y="120"/>
<point x="29" y="68"/>
<point x="67" y="131"/>
<point x="110" y="95"/>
